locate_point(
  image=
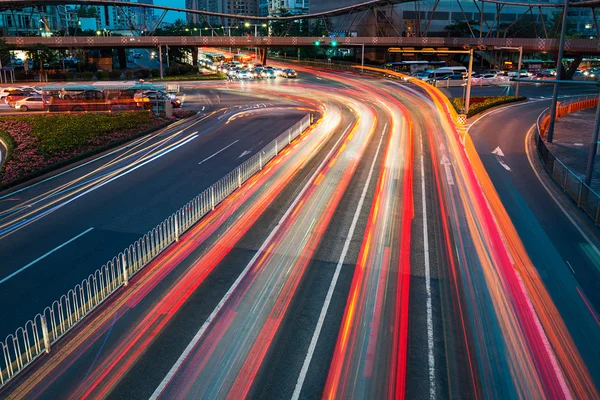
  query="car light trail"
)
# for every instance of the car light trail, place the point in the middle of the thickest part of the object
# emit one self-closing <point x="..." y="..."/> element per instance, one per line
<point x="226" y="360"/>
<point x="541" y="358"/>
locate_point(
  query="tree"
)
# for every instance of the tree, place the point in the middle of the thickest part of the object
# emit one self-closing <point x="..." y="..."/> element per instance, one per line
<point x="42" y="54"/>
<point x="5" y="52"/>
<point x="461" y="28"/>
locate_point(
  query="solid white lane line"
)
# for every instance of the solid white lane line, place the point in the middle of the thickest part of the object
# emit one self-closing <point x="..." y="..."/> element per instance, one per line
<point x="93" y="188"/>
<point x="45" y="255"/>
<point x="336" y="274"/>
<point x="223" y="149"/>
<point x="553" y="197"/>
<point x="233" y="287"/>
<point x="431" y="359"/>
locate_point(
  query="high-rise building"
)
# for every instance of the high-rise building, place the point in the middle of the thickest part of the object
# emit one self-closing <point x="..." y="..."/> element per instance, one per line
<point x="204" y="5"/>
<point x="32" y="21"/>
<point x="276" y="7"/>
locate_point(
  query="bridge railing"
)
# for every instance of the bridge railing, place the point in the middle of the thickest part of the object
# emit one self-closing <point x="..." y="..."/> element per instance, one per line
<point x="583" y="195"/>
<point x="38" y="335"/>
<point x="574" y="45"/>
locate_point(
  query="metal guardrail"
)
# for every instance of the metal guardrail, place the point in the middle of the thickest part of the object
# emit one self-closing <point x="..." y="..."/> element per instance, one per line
<point x="584" y="196"/>
<point x="39" y="334"/>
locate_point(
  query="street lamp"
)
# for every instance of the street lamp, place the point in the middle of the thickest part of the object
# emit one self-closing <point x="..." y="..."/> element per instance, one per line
<point x="520" y="49"/>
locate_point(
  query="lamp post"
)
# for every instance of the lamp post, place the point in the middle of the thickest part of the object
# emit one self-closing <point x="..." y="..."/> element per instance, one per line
<point x="520" y="50"/>
<point x="561" y="49"/>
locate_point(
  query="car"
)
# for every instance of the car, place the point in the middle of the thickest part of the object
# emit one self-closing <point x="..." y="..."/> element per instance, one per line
<point x="17" y="95"/>
<point x="258" y="71"/>
<point x="137" y="55"/>
<point x="278" y="71"/>
<point x="30" y="103"/>
<point x="268" y="74"/>
<point x="244" y="74"/>
<point x="175" y="102"/>
<point x="288" y="73"/>
<point x="542" y="76"/>
<point x="233" y="71"/>
<point x="34" y="89"/>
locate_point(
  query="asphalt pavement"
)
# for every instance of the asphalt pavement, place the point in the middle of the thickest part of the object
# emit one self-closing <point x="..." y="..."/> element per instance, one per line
<point x="560" y="240"/>
<point x="59" y="231"/>
<point x="369" y="259"/>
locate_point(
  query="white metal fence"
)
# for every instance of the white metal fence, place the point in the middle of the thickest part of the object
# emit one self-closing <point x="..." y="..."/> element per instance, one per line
<point x="37" y="335"/>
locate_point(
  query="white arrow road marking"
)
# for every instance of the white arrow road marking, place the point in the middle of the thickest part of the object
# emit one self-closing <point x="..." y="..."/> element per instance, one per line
<point x="499" y="154"/>
<point x="446" y="163"/>
<point x="223" y="149"/>
<point x="245" y="153"/>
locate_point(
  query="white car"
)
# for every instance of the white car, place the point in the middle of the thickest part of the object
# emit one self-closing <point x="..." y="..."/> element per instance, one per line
<point x="278" y="71"/>
<point x="243" y="74"/>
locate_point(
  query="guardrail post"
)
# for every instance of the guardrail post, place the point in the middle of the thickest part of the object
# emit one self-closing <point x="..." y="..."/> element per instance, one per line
<point x="239" y="177"/>
<point x="276" y="151"/>
<point x="579" y="194"/>
<point x="212" y="197"/>
<point x="125" y="274"/>
<point x="565" y="180"/>
<point x="260" y="159"/>
<point x="176" y="227"/>
<point x="45" y="335"/>
<point x="597" y="221"/>
<point x="289" y="136"/>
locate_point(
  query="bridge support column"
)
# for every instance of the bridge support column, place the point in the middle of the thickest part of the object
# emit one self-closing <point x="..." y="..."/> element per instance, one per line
<point x="122" y="57"/>
<point x="262" y="51"/>
<point x="195" y="56"/>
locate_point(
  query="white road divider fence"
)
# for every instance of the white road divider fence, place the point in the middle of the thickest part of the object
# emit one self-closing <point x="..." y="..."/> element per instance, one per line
<point x="38" y="335"/>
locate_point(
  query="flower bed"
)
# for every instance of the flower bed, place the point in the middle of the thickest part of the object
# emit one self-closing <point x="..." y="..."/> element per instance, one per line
<point x="45" y="142"/>
<point x="480" y="104"/>
<point x="195" y="77"/>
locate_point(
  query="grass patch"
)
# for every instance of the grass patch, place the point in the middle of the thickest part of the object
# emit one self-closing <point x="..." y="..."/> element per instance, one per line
<point x="480" y="104"/>
<point x="43" y="143"/>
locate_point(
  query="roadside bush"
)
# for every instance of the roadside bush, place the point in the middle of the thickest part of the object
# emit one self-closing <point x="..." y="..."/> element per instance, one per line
<point x="185" y="69"/>
<point x="155" y="73"/>
<point x="87" y="76"/>
<point x="102" y="75"/>
<point x="129" y="74"/>
<point x="114" y="75"/>
<point x="206" y="77"/>
<point x="172" y="71"/>
<point x="142" y="74"/>
<point x="57" y="76"/>
<point x="42" y="143"/>
<point x="480" y="104"/>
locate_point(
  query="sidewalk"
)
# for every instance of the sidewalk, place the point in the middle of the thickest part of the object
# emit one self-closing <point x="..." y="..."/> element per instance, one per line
<point x="572" y="137"/>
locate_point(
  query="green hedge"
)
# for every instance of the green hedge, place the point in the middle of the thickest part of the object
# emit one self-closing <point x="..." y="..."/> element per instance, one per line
<point x="54" y="141"/>
<point x="64" y="132"/>
<point x="480" y="104"/>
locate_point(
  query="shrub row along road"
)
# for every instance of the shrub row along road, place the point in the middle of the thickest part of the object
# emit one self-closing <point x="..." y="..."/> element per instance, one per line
<point x="372" y="258"/>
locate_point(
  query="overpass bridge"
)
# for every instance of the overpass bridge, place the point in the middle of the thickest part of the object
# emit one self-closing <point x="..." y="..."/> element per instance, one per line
<point x="572" y="46"/>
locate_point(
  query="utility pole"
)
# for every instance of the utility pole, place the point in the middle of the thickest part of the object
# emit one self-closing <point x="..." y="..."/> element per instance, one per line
<point x="160" y="61"/>
<point x="561" y="50"/>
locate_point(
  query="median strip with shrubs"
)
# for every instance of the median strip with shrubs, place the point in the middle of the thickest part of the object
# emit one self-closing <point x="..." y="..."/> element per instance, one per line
<point x="39" y="144"/>
<point x="480" y="104"/>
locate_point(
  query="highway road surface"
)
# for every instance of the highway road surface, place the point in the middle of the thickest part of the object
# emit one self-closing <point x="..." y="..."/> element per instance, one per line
<point x="372" y="258"/>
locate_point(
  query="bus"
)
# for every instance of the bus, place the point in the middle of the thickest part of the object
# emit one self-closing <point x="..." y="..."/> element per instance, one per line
<point x="412" y="67"/>
<point x="242" y="58"/>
